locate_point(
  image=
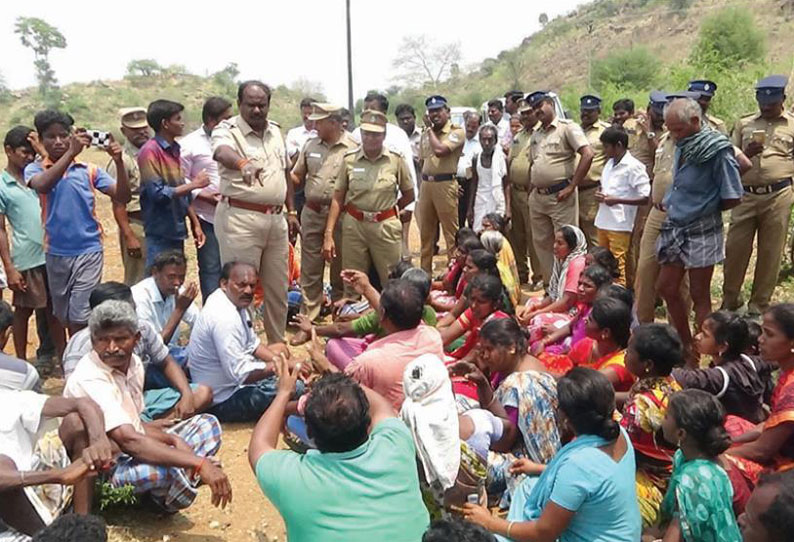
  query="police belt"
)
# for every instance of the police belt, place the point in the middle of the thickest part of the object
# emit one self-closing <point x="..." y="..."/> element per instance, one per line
<point x="583" y="187"/>
<point x="520" y="187"/>
<point x="438" y="178"/>
<point x="768" y="188"/>
<point x="553" y="189"/>
<point x="370" y="216"/>
<point x="257" y="207"/>
<point x="317" y="207"/>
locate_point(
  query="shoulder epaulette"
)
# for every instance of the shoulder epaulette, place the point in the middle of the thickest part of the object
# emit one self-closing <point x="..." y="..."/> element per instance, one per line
<point x="274" y="123"/>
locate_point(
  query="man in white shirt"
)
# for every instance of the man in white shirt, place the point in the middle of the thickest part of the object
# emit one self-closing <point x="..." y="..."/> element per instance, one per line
<point x="196" y="156"/>
<point x="23" y="466"/>
<point x="397" y="141"/>
<point x="161" y="300"/>
<point x="225" y="354"/>
<point x="471" y="122"/>
<point x="295" y="140"/>
<point x="624" y="186"/>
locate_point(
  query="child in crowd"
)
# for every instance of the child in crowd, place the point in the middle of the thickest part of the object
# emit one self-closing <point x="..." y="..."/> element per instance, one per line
<point x="446" y="292"/>
<point x="603" y="257"/>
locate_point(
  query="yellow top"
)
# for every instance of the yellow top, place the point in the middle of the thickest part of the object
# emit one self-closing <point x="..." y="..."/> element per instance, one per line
<point x="372" y="185"/>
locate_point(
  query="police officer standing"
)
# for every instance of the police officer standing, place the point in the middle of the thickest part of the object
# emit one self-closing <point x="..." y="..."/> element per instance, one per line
<point x="317" y="167"/>
<point x="440" y="150"/>
<point x="255" y="189"/>
<point x="367" y="191"/>
<point x="767" y="138"/>
<point x="132" y="242"/>
<point x="555" y="176"/>
<point x="593" y="127"/>
<point x="520" y="234"/>
<point x="704" y="90"/>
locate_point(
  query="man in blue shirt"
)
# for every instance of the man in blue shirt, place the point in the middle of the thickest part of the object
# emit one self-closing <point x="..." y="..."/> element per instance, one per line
<point x="706" y="181"/>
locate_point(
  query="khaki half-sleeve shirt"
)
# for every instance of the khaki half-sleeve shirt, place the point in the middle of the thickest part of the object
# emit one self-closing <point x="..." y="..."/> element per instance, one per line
<point x="321" y="164"/>
<point x="552" y="152"/>
<point x="129" y="156"/>
<point x="372" y="185"/>
<point x="776" y="161"/>
<point x="267" y="152"/>
<point x="453" y="136"/>
<point x="518" y="158"/>
<point x="593" y="135"/>
<point x="663" y="168"/>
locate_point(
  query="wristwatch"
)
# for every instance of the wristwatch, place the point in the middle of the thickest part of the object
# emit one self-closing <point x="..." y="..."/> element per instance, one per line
<point x="650" y="135"/>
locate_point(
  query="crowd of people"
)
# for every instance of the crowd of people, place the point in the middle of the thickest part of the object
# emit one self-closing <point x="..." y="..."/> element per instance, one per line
<point x="437" y="403"/>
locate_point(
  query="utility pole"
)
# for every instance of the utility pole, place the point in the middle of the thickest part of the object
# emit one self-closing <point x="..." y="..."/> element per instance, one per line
<point x="349" y="66"/>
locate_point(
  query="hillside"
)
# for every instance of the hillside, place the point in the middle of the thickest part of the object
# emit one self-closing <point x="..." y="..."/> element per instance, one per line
<point x="95" y="104"/>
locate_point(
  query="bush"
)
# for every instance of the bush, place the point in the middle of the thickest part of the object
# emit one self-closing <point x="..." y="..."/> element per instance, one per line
<point x="635" y="68"/>
<point x="729" y="37"/>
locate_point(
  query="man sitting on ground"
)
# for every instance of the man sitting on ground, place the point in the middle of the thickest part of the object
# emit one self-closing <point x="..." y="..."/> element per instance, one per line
<point x="165" y="465"/>
<point x="361" y="480"/>
<point x="225" y="354"/>
<point x="15" y="374"/>
<point x="162" y="301"/>
<point x="168" y="393"/>
<point x="35" y="473"/>
<point x="381" y="365"/>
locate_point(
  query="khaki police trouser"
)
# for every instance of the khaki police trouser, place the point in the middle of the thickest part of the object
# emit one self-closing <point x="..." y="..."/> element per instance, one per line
<point x="261" y="240"/>
<point x="588" y="209"/>
<point x="366" y="244"/>
<point x="313" y="263"/>
<point x="767" y="214"/>
<point x="547" y="215"/>
<point x="134" y="268"/>
<point x="438" y="204"/>
<point x="648" y="270"/>
<point x="520" y="236"/>
<point x="618" y="243"/>
<point x="633" y="256"/>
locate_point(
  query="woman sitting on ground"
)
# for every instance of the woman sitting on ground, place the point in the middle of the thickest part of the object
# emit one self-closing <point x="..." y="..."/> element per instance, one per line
<point x="735" y="378"/>
<point x="446" y="292"/>
<point x="478" y="262"/>
<point x="586" y="493"/>
<point x="493" y="241"/>
<point x="653" y="351"/>
<point x="569" y="262"/>
<point x="516" y="386"/>
<point x="558" y="338"/>
<point x="698" y="503"/>
<point x="604" y="349"/>
<point x="771" y="444"/>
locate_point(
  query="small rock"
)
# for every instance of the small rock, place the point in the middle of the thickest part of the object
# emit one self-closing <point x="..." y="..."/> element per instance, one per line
<point x="166" y="538"/>
<point x="215" y="524"/>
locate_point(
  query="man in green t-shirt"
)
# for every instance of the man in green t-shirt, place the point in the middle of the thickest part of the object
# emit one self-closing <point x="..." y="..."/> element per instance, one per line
<point x="360" y="485"/>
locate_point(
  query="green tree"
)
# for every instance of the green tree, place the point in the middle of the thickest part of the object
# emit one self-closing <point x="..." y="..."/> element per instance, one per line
<point x="144" y="67"/>
<point x="729" y="37"/>
<point x="633" y="68"/>
<point x="41" y="37"/>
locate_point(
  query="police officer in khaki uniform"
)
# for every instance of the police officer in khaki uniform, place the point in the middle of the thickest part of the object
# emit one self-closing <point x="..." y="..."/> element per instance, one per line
<point x="767" y="138"/>
<point x="705" y="90"/>
<point x="439" y="151"/>
<point x="250" y="221"/>
<point x="555" y="177"/>
<point x="367" y="189"/>
<point x="520" y="234"/>
<point x="593" y="127"/>
<point x="132" y="242"/>
<point x="316" y="169"/>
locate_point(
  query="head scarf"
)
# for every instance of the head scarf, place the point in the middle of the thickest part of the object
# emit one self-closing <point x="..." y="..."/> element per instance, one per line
<point x="560" y="268"/>
<point x="430" y="413"/>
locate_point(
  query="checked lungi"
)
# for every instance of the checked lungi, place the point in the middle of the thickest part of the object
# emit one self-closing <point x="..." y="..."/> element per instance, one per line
<point x="694" y="245"/>
<point x="171" y="488"/>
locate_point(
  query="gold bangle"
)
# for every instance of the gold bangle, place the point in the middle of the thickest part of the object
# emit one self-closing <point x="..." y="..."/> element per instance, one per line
<point x="509" y="526"/>
<point x="292" y="213"/>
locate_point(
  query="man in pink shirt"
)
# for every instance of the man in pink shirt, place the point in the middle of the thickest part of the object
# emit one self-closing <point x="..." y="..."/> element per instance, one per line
<point x="381" y="366"/>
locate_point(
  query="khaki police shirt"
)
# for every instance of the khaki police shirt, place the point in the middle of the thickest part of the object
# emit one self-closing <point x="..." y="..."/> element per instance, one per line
<point x="552" y="152"/>
<point x="372" y="185"/>
<point x="321" y="164"/>
<point x="717" y="124"/>
<point x="453" y="137"/>
<point x="662" y="168"/>
<point x="518" y="158"/>
<point x="267" y="152"/>
<point x="776" y="161"/>
<point x="129" y="156"/>
<point x="639" y="143"/>
<point x="593" y="135"/>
